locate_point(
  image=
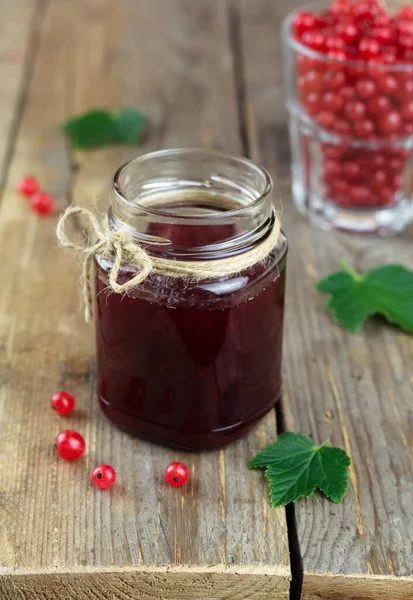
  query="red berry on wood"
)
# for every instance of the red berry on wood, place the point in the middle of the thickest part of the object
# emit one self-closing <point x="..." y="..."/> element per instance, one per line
<point x="63" y="402"/>
<point x="70" y="444"/>
<point x="28" y="186"/>
<point x="176" y="474"/>
<point x="103" y="476"/>
<point x="42" y="203"/>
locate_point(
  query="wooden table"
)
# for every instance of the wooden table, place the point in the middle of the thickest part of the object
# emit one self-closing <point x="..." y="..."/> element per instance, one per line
<point x="209" y="73"/>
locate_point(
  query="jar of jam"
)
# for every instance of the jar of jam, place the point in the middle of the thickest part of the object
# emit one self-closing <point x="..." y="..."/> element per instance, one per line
<point x="180" y="361"/>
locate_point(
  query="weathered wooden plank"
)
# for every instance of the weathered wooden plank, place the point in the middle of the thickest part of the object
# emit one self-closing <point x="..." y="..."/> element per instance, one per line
<point x="354" y="391"/>
<point x="18" y="47"/>
<point x="59" y="537"/>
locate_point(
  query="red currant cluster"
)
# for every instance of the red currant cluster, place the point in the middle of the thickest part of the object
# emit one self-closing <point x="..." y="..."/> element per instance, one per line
<point x="71" y="445"/>
<point x="357" y="84"/>
<point x="42" y="203"/>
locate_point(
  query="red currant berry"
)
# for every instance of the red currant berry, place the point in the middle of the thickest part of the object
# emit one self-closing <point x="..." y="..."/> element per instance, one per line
<point x="103" y="476"/>
<point x="354" y="110"/>
<point x="333" y="101"/>
<point x="379" y="178"/>
<point x="335" y="42"/>
<point x="337" y="55"/>
<point x="70" y="444"/>
<point x="312" y="104"/>
<point x="366" y="10"/>
<point x="332" y="169"/>
<point x="360" y="194"/>
<point x="387" y="84"/>
<point x="406" y="110"/>
<point x="340" y="7"/>
<point x="304" y="21"/>
<point x="340" y="186"/>
<point x="63" y="402"/>
<point x="368" y="48"/>
<point x="347" y="92"/>
<point x="42" y="203"/>
<point x="331" y="151"/>
<point x="408" y="128"/>
<point x="389" y="56"/>
<point x="406" y="13"/>
<point x="405" y="28"/>
<point x="384" y="35"/>
<point x="396" y="164"/>
<point x="334" y="80"/>
<point x="406" y="89"/>
<point x="406" y="41"/>
<point x="383" y="20"/>
<point x="349" y="32"/>
<point x="389" y="123"/>
<point x="351" y="169"/>
<point x="312" y="82"/>
<point x="397" y="181"/>
<point x="176" y="474"/>
<point x="378" y="160"/>
<point x="341" y="127"/>
<point x="325" y="118"/>
<point x="386" y="195"/>
<point x="28" y="186"/>
<point x="364" y="128"/>
<point x="366" y="88"/>
<point x="314" y="40"/>
<point x="379" y="105"/>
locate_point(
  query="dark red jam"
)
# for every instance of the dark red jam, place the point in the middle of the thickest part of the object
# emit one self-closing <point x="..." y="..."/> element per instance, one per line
<point x="191" y="365"/>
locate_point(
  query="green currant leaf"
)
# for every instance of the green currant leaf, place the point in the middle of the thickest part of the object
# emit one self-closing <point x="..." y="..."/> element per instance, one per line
<point x="131" y="125"/>
<point x="295" y="467"/>
<point x="385" y="291"/>
<point x="101" y="127"/>
<point x="94" y="128"/>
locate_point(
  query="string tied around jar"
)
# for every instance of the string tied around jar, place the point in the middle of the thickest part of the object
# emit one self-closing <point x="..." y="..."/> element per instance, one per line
<point x="120" y="246"/>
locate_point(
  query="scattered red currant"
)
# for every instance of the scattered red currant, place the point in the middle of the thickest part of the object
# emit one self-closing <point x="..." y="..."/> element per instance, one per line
<point x="176" y="474"/>
<point x="28" y="186"/>
<point x="70" y="444"/>
<point x="103" y="476"/>
<point x="63" y="402"/>
<point x="42" y="203"/>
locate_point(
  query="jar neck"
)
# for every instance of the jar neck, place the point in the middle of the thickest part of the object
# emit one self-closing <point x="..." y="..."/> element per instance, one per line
<point x="193" y="204"/>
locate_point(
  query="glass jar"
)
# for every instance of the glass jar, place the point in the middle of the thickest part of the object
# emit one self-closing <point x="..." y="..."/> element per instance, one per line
<point x="351" y="133"/>
<point x="179" y="362"/>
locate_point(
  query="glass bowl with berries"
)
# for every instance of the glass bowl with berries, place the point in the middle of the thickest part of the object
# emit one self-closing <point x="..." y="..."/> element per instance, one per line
<point x="349" y="77"/>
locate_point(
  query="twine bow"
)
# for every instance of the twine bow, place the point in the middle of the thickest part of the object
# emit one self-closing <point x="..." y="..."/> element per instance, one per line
<point x="120" y="246"/>
<point x="117" y="244"/>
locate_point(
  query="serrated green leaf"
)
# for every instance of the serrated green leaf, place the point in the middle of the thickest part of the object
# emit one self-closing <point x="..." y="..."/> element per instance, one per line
<point x="131" y="125"/>
<point x="101" y="127"/>
<point x="94" y="128"/>
<point x="385" y="291"/>
<point x="295" y="467"/>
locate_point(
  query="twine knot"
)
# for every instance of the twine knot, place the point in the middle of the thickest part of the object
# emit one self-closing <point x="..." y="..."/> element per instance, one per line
<point x="118" y="245"/>
<point x="123" y="249"/>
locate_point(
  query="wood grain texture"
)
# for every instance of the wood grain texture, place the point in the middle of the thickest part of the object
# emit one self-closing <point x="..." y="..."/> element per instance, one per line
<point x="353" y="390"/>
<point x="60" y="538"/>
<point x="18" y="47"/>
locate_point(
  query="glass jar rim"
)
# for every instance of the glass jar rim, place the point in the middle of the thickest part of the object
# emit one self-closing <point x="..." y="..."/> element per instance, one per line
<point x="289" y="39"/>
<point x="181" y="152"/>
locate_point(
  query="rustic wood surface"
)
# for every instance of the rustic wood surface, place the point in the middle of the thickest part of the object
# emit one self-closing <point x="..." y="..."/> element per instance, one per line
<point x="354" y="390"/>
<point x="60" y="538"/>
<point x="209" y="73"/>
